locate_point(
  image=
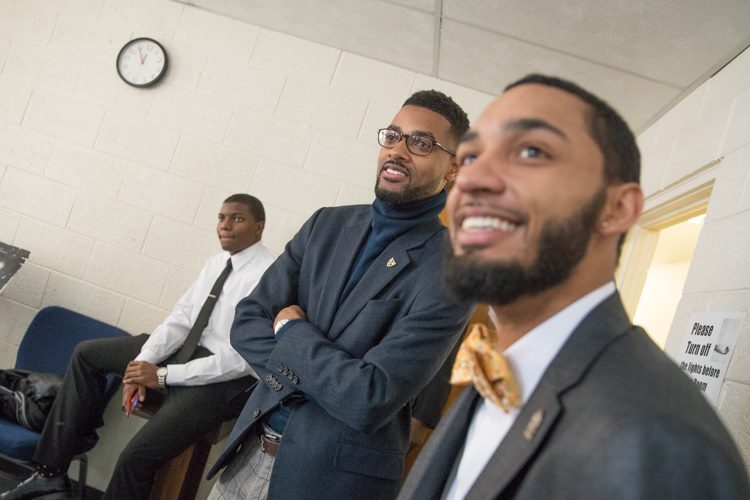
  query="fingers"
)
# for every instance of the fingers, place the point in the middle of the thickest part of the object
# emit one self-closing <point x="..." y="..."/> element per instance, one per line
<point x="127" y="393"/>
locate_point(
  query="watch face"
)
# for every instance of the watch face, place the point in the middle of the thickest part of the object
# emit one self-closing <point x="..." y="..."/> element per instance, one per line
<point x="142" y="62"/>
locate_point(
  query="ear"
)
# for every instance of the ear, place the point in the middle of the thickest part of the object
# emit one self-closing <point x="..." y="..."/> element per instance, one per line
<point x="452" y="172"/>
<point x="259" y="226"/>
<point x="622" y="209"/>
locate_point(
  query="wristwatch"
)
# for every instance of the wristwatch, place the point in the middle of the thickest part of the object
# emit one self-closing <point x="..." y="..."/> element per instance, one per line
<point x="280" y="325"/>
<point x="161" y="376"/>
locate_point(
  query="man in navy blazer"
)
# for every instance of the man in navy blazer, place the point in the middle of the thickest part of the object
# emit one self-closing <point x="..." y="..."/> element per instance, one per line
<point x="547" y="187"/>
<point x="347" y="326"/>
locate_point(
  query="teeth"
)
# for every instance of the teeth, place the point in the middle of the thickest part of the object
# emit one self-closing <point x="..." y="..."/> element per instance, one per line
<point x="394" y="172"/>
<point x="487" y="223"/>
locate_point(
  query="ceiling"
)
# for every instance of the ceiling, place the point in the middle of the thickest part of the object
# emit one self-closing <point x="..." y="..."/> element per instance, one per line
<point x="641" y="55"/>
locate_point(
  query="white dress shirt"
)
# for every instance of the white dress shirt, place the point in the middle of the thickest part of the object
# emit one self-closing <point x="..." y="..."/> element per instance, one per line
<point x="225" y="363"/>
<point x="528" y="357"/>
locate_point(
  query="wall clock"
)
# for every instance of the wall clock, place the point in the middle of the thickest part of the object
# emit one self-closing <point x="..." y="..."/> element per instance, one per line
<point x="142" y="62"/>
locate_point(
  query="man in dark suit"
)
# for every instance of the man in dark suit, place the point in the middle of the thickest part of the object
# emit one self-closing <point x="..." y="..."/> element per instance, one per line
<point x="547" y="187"/>
<point x="347" y="326"/>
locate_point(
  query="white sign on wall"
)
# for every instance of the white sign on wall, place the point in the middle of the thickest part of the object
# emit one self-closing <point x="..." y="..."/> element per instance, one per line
<point x="706" y="348"/>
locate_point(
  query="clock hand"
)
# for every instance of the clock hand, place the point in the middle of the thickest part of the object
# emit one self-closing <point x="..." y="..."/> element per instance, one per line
<point x="141" y="55"/>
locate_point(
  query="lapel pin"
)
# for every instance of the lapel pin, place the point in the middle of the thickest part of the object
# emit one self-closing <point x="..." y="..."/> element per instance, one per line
<point x="534" y="423"/>
<point x="391" y="262"/>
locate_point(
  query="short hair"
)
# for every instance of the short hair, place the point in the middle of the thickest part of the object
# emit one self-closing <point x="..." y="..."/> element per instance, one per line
<point x="622" y="159"/>
<point x="436" y="101"/>
<point x="252" y="203"/>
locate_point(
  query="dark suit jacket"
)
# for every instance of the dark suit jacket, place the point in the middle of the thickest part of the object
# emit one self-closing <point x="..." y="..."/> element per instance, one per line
<point x="350" y="371"/>
<point x="619" y="421"/>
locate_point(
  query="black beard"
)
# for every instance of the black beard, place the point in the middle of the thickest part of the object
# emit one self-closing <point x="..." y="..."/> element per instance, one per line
<point x="411" y="193"/>
<point x="562" y="245"/>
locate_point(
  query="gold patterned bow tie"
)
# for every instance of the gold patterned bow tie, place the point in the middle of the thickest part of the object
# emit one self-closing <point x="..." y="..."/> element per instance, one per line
<point x="477" y="362"/>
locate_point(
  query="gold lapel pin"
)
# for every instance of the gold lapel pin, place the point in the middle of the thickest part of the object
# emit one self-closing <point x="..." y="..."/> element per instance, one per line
<point x="534" y="423"/>
<point x="391" y="262"/>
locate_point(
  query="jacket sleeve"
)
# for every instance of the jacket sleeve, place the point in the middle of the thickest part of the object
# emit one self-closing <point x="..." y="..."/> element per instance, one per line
<point x="661" y="458"/>
<point x="366" y="391"/>
<point x="429" y="403"/>
<point x="252" y="330"/>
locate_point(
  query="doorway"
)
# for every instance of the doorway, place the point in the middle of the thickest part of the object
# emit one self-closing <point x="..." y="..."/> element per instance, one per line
<point x="656" y="260"/>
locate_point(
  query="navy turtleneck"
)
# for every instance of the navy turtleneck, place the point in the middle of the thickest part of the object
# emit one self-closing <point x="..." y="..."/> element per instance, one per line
<point x="388" y="223"/>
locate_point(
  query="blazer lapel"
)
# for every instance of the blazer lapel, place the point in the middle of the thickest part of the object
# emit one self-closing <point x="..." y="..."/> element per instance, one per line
<point x="524" y="438"/>
<point x="430" y="472"/>
<point x="599" y="328"/>
<point x="385" y="268"/>
<point x="351" y="238"/>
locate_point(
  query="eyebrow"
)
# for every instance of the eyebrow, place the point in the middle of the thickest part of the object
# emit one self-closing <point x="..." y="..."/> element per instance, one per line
<point x="421" y="133"/>
<point x="468" y="137"/>
<point x="525" y="124"/>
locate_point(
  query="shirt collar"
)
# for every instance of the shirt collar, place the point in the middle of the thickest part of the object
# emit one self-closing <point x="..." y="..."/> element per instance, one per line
<point x="244" y="256"/>
<point x="531" y="354"/>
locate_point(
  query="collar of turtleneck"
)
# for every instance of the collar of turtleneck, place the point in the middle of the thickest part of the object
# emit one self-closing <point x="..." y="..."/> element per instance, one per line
<point x="390" y="221"/>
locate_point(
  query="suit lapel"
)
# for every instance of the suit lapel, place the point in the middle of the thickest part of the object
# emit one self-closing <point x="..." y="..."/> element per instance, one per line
<point x="436" y="460"/>
<point x="599" y="328"/>
<point x="351" y="238"/>
<point x="519" y="445"/>
<point x="385" y="268"/>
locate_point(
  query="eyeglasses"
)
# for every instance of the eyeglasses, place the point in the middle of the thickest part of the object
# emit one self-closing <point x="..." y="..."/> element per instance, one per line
<point x="418" y="144"/>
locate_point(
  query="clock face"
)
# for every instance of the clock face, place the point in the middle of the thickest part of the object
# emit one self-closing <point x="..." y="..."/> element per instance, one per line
<point x="142" y="62"/>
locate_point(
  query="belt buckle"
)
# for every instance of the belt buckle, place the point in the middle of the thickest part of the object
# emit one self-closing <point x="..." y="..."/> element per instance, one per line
<point x="270" y="439"/>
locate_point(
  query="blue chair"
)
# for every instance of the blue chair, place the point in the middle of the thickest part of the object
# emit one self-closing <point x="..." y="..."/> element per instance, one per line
<point x="47" y="346"/>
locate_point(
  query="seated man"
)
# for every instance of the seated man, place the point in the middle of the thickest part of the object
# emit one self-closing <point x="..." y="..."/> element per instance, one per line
<point x="188" y="356"/>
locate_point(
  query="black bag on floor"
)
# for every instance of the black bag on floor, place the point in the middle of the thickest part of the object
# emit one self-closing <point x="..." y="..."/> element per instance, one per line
<point x="26" y="397"/>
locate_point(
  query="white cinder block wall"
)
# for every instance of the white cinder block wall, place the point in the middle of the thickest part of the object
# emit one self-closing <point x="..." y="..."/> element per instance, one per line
<point x="713" y="123"/>
<point x="115" y="190"/>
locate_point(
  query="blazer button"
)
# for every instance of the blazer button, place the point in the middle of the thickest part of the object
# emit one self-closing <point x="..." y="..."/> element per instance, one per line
<point x="256" y="412"/>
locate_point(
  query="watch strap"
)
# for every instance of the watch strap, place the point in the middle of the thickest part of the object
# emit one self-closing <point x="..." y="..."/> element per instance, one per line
<point x="279" y="325"/>
<point x="161" y="376"/>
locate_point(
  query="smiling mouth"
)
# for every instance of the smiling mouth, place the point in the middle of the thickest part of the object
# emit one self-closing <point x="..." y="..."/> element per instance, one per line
<point x="478" y="224"/>
<point x="394" y="171"/>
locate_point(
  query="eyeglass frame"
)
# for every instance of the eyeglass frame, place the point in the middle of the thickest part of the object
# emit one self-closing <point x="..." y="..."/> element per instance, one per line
<point x="406" y="137"/>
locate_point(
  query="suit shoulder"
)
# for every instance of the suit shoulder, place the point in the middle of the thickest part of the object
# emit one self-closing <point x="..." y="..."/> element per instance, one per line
<point x="342" y="211"/>
<point x="634" y="380"/>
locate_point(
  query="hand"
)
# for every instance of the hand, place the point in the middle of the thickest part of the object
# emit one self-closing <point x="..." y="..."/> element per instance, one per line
<point x="290" y="312"/>
<point x="418" y="433"/>
<point x="127" y="395"/>
<point x="141" y="373"/>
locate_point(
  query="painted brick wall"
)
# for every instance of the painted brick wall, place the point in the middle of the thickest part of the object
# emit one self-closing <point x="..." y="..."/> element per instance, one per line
<point x="115" y="190"/>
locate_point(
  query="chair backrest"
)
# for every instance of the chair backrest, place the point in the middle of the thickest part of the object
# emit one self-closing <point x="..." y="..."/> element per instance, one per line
<point x="52" y="336"/>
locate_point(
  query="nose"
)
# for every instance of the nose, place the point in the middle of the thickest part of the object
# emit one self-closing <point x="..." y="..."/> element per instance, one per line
<point x="225" y="224"/>
<point x="483" y="174"/>
<point x="400" y="150"/>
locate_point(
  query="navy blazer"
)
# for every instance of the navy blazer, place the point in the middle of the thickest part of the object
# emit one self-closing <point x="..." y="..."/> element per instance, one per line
<point x="612" y="418"/>
<point x="358" y="361"/>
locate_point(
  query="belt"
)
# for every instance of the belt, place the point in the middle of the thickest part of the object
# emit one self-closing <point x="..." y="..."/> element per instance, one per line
<point x="269" y="444"/>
